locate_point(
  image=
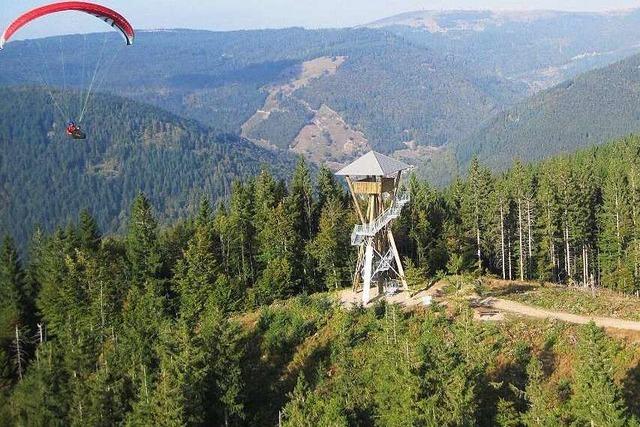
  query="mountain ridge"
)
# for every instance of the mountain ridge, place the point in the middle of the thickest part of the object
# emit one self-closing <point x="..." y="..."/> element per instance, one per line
<point x="592" y="109"/>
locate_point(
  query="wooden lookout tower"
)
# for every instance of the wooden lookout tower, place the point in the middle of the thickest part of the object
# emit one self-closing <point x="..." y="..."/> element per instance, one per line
<point x="374" y="183"/>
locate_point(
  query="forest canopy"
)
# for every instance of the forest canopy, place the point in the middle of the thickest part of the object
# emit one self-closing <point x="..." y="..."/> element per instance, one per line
<point x="223" y="317"/>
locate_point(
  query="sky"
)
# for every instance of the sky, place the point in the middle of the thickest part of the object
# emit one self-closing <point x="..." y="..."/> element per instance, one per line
<point x="226" y="15"/>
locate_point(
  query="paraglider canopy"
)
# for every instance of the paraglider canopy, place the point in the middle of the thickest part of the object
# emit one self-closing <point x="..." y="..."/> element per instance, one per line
<point x="54" y="78"/>
<point x="111" y="17"/>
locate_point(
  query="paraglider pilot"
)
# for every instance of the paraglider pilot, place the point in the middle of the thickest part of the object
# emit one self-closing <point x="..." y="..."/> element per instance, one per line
<point x="74" y="131"/>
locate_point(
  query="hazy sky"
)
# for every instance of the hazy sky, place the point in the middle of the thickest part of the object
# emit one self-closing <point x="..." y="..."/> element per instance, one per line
<point x="250" y="14"/>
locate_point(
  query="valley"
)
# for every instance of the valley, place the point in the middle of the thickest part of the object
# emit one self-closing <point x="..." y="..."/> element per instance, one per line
<point x="178" y="247"/>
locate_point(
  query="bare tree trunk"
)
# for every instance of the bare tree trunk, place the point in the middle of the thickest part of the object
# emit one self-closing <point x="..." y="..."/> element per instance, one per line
<point x="144" y="383"/>
<point x="568" y="249"/>
<point x="529" y="229"/>
<point x="585" y="266"/>
<point x="520" y="238"/>
<point x="510" y="269"/>
<point x="479" y="251"/>
<point x="619" y="256"/>
<point x="18" y="353"/>
<point x="478" y="236"/>
<point x="552" y="245"/>
<point x="102" y="320"/>
<point x="504" y="272"/>
<point x="636" y="242"/>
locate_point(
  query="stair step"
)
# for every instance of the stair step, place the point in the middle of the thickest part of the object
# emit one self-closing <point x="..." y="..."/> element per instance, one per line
<point x="360" y="232"/>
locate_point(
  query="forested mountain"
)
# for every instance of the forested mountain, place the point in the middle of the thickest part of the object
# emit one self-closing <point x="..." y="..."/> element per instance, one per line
<point x="47" y="178"/>
<point x="538" y="48"/>
<point x="177" y="324"/>
<point x="311" y="91"/>
<point x="591" y="109"/>
<point x="223" y="79"/>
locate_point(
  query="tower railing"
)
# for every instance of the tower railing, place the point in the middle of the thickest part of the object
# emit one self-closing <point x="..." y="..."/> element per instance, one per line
<point x="360" y="232"/>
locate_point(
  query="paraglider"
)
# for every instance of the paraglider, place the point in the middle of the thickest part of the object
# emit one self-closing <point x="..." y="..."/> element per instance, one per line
<point x="111" y="17"/>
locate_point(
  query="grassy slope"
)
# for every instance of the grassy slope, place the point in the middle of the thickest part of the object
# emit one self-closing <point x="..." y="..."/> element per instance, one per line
<point x="580" y="301"/>
<point x="331" y="346"/>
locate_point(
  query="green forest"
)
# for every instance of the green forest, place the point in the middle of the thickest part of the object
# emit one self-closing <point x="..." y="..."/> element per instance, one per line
<point x="47" y="179"/>
<point x="593" y="108"/>
<point x="226" y="317"/>
<point x="222" y="78"/>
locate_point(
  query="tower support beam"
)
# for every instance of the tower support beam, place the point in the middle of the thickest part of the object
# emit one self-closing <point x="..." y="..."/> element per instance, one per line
<point x="367" y="272"/>
<point x="396" y="255"/>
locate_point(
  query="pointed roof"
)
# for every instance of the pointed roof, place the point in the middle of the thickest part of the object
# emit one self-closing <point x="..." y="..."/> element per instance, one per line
<point x="373" y="164"/>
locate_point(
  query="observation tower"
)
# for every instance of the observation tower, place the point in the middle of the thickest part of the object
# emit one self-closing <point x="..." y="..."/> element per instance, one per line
<point x="374" y="182"/>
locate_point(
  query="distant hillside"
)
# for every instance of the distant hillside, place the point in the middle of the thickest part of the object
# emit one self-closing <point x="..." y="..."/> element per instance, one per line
<point x="414" y="86"/>
<point x="271" y="85"/>
<point x="46" y="178"/>
<point x="591" y="109"/>
<point x="538" y="48"/>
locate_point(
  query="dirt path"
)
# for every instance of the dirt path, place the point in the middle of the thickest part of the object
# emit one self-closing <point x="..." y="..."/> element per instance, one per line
<point x="527" y="310"/>
<point x="349" y="299"/>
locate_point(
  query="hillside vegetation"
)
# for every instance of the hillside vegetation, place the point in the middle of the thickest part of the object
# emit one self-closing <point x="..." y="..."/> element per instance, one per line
<point x="210" y="320"/>
<point x="47" y="178"/>
<point x="537" y="48"/>
<point x="589" y="110"/>
<point x="160" y="328"/>
<point x="223" y="78"/>
<point x="464" y="89"/>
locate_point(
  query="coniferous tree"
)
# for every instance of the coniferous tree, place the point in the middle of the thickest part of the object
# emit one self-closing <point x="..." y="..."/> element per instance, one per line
<point x="543" y="409"/>
<point x="596" y="399"/>
<point x="330" y="247"/>
<point x="196" y="274"/>
<point x="224" y="385"/>
<point x="475" y="210"/>
<point x="613" y="244"/>
<point x="239" y="231"/>
<point x="14" y="294"/>
<point x="327" y="188"/>
<point x="301" y="201"/>
<point x="549" y="252"/>
<point x="88" y="232"/>
<point x="143" y="252"/>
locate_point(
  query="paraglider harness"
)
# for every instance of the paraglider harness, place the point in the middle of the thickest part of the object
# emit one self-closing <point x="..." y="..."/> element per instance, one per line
<point x="74" y="131"/>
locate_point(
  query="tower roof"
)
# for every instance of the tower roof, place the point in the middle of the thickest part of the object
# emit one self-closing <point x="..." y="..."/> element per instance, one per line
<point x="373" y="164"/>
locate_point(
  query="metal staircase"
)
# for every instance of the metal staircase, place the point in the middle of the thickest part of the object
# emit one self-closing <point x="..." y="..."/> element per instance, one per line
<point x="384" y="264"/>
<point x="361" y="232"/>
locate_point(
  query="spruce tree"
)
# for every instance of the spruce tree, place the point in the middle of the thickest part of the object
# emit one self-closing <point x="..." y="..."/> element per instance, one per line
<point x="301" y="200"/>
<point x="596" y="399"/>
<point x="240" y="234"/>
<point x="330" y="247"/>
<point x="221" y="340"/>
<point x="543" y="409"/>
<point x="143" y="252"/>
<point x="13" y="293"/>
<point x="88" y="231"/>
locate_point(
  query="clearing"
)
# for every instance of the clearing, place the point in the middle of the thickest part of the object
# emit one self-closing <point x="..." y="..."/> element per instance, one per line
<point x="490" y="307"/>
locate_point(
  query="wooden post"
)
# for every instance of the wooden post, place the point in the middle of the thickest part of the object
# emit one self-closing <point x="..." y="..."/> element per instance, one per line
<point x="396" y="255"/>
<point x="368" y="267"/>
<point x="355" y="200"/>
<point x="356" y="275"/>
